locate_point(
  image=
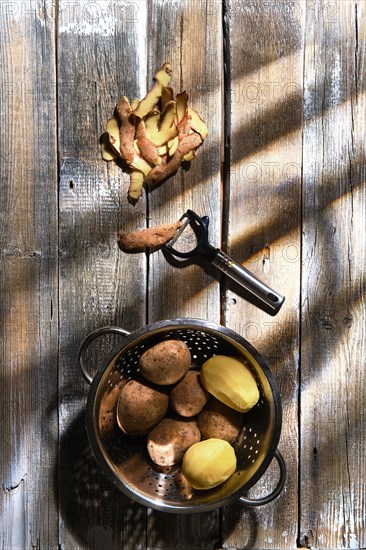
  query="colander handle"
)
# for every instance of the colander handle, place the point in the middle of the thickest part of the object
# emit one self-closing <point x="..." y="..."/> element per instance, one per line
<point x="276" y="491"/>
<point x="88" y="340"/>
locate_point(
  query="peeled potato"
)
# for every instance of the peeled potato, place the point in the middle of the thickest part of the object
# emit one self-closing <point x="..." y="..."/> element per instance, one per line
<point x="231" y="382"/>
<point x="209" y="463"/>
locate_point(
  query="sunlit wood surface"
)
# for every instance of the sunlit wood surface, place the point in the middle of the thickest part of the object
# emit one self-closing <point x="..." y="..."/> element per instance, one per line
<point x="281" y="86"/>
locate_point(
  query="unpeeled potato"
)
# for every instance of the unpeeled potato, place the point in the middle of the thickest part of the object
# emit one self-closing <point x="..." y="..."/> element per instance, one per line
<point x="219" y="421"/>
<point x="189" y="396"/>
<point x="166" y="362"/>
<point x="140" y="407"/>
<point x="167" y="443"/>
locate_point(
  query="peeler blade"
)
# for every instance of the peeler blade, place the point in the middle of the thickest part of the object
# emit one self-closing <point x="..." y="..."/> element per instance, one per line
<point x="170" y="244"/>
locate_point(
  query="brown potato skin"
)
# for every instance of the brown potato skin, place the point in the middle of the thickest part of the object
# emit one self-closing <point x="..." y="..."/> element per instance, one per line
<point x="165" y="363"/>
<point x="150" y="237"/>
<point x="167" y="443"/>
<point x="220" y="421"/>
<point x="140" y="407"/>
<point x="189" y="396"/>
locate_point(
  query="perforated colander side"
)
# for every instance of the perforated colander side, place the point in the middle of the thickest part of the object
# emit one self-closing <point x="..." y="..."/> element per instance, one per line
<point x="125" y="458"/>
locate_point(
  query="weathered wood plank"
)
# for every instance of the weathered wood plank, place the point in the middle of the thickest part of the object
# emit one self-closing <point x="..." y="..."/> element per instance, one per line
<point x="188" y="35"/>
<point x="28" y="277"/>
<point x="101" y="56"/>
<point x="332" y="493"/>
<point x="106" y="49"/>
<point x="263" y="230"/>
<point x="190" y="38"/>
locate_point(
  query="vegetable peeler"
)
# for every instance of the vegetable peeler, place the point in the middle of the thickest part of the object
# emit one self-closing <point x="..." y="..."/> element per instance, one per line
<point x="222" y="261"/>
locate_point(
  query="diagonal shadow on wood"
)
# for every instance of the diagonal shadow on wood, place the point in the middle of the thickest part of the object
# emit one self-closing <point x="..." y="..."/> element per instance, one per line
<point x="274" y="228"/>
<point x="86" y="493"/>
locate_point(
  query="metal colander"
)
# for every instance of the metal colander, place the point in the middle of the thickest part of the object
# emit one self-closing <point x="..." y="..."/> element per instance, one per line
<point x="124" y="458"/>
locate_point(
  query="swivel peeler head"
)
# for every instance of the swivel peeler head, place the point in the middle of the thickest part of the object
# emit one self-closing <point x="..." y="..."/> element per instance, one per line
<point x="202" y="247"/>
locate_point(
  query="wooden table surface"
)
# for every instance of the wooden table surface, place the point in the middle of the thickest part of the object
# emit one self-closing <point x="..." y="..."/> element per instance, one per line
<point x="281" y="86"/>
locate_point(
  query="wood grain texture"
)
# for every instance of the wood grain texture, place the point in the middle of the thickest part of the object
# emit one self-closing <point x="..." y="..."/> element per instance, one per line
<point x="263" y="231"/>
<point x="188" y="35"/>
<point x="332" y="495"/>
<point x="101" y="56"/>
<point x="28" y="278"/>
<point x="287" y="199"/>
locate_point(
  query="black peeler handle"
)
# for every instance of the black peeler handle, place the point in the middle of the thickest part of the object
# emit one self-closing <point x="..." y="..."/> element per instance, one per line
<point x="246" y="279"/>
<point x="227" y="265"/>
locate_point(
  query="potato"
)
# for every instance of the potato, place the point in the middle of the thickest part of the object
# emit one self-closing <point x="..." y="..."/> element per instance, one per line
<point x="217" y="420"/>
<point x="167" y="443"/>
<point x="189" y="396"/>
<point x="230" y="381"/>
<point x="140" y="407"/>
<point x="209" y="463"/>
<point x="165" y="363"/>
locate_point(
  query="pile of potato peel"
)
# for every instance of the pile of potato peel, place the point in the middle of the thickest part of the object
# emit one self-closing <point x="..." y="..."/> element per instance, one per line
<point x="154" y="135"/>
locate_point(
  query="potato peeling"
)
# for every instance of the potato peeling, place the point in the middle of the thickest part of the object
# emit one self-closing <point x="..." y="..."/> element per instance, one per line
<point x="151" y="237"/>
<point x="154" y="135"/>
